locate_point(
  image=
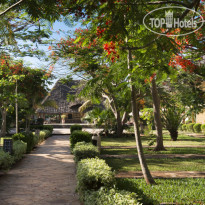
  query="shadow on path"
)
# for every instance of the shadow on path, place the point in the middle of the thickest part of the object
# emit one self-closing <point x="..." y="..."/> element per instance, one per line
<point x="46" y="176"/>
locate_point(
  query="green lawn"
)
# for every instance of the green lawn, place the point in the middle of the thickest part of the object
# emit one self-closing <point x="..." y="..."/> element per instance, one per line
<point x="130" y="141"/>
<point x="165" y="164"/>
<point x="132" y="151"/>
<point x="187" y="191"/>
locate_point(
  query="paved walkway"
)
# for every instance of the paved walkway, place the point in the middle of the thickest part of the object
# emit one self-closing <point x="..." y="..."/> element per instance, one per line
<point x="134" y="147"/>
<point x="44" y="177"/>
<point x="156" y="156"/>
<point x="167" y="174"/>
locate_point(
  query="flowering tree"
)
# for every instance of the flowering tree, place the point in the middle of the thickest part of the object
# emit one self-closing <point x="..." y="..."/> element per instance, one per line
<point x="103" y="79"/>
<point x="120" y="23"/>
<point x="9" y="73"/>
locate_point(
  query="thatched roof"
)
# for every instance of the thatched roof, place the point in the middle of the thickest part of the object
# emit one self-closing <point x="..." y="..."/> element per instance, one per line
<point x="59" y="94"/>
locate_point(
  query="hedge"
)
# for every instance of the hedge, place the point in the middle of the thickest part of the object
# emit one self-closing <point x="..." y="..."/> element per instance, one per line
<point x="93" y="174"/>
<point x="79" y="136"/>
<point x="44" y="134"/>
<point x="190" y="127"/>
<point x="184" y="127"/>
<point x="197" y="127"/>
<point x="42" y="127"/>
<point x="105" y="196"/>
<point x="203" y="128"/>
<point x="19" y="149"/>
<point x="6" y="160"/>
<point x="83" y="150"/>
<point x="75" y="127"/>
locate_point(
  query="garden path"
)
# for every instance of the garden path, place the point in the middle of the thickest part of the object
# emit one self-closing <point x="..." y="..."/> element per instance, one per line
<point x="46" y="176"/>
<point x="162" y="174"/>
<point x="156" y="156"/>
<point x="132" y="147"/>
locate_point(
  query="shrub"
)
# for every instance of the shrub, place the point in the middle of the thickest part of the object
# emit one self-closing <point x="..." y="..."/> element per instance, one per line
<point x="184" y="127"/>
<point x="48" y="127"/>
<point x="44" y="134"/>
<point x="18" y="136"/>
<point x="75" y="127"/>
<point x="180" y="127"/>
<point x="83" y="150"/>
<point x="42" y="127"/>
<point x="110" y="196"/>
<point x="30" y="140"/>
<point x="203" y="128"/>
<point x="35" y="139"/>
<point x="92" y="174"/>
<point x="40" y="121"/>
<point x="79" y="136"/>
<point x="6" y="160"/>
<point x="19" y="149"/>
<point x="197" y="127"/>
<point x="190" y="127"/>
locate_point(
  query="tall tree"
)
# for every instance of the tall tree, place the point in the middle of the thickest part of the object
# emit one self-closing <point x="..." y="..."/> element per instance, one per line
<point x="103" y="79"/>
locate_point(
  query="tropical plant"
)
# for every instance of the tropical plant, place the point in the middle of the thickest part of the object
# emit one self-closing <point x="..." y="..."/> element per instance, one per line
<point x="172" y="115"/>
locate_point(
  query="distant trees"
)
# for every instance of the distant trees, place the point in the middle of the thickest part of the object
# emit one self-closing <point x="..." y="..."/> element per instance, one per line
<point x="32" y="87"/>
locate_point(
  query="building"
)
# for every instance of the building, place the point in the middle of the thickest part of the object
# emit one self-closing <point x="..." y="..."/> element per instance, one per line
<point x="64" y="111"/>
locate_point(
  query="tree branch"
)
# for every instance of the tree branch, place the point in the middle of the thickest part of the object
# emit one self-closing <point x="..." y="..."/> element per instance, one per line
<point x="11" y="7"/>
<point x="124" y="117"/>
<point x="111" y="106"/>
<point x="160" y="2"/>
<point x="195" y="2"/>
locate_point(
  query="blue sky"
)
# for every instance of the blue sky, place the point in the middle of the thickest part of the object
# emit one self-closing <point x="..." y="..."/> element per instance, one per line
<point x="59" y="71"/>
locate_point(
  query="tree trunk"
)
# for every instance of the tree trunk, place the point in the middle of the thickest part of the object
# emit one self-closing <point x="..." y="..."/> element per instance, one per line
<point x="173" y="134"/>
<point x="16" y="106"/>
<point x="3" y="123"/>
<point x="135" y="112"/>
<point x="119" y="125"/>
<point x="157" y="116"/>
<point x="27" y="125"/>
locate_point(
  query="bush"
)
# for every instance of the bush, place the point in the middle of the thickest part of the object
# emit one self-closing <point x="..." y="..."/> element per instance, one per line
<point x="48" y="127"/>
<point x="197" y="127"/>
<point x="19" y="149"/>
<point x="184" y="127"/>
<point x="28" y="137"/>
<point x="35" y="139"/>
<point x="92" y="174"/>
<point x="6" y="160"/>
<point x="79" y="136"/>
<point x="110" y="196"/>
<point x="75" y="127"/>
<point x="42" y="127"/>
<point x="30" y="140"/>
<point x="83" y="150"/>
<point x="190" y="127"/>
<point x="203" y="128"/>
<point x="18" y="136"/>
<point x="40" y="121"/>
<point x="44" y="134"/>
<point x="180" y="127"/>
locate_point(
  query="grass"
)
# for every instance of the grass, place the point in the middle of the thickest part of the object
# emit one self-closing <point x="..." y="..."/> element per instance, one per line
<point x="132" y="151"/>
<point x="165" y="164"/>
<point x="187" y="191"/>
<point x="130" y="141"/>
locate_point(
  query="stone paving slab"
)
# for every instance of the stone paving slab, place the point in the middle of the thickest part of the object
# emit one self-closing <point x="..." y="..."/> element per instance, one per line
<point x="177" y="174"/>
<point x="44" y="177"/>
<point x="156" y="156"/>
<point x="134" y="147"/>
